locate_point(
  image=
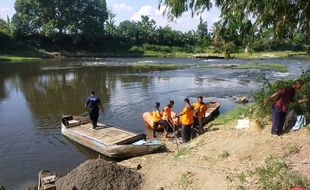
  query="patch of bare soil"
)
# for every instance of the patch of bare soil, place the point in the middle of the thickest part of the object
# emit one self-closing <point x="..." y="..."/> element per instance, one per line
<point x="215" y="159"/>
<point x="98" y="174"/>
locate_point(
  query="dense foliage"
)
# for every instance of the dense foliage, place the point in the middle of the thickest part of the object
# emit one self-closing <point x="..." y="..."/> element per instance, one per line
<point x="254" y="25"/>
<point x="270" y="88"/>
<point x="88" y="25"/>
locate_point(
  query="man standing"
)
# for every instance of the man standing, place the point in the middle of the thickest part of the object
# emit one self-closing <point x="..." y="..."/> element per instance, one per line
<point x="157" y="120"/>
<point x="92" y="105"/>
<point x="280" y="105"/>
<point x="200" y="109"/>
<point x="167" y="117"/>
<point x="167" y="112"/>
<point x="187" y="120"/>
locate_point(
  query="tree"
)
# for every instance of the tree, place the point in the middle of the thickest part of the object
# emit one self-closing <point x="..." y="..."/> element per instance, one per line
<point x="110" y="26"/>
<point x="202" y="32"/>
<point x="283" y="16"/>
<point x="43" y="17"/>
<point x="129" y="32"/>
<point x="147" y="28"/>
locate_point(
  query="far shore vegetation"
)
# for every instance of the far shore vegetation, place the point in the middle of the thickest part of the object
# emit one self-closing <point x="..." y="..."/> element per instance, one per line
<point x="93" y="32"/>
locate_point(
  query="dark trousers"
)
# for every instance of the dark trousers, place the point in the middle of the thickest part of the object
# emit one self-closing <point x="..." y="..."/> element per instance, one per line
<point x="199" y="122"/>
<point x="93" y="116"/>
<point x="163" y="123"/>
<point x="186" y="132"/>
<point x="278" y="119"/>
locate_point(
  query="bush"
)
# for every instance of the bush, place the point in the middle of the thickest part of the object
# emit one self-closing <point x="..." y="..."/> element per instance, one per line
<point x="270" y="88"/>
<point x="136" y="49"/>
<point x="273" y="174"/>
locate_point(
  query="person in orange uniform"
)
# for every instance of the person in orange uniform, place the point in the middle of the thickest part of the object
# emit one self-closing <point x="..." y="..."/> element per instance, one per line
<point x="168" y="121"/>
<point x="187" y="120"/>
<point x="157" y="119"/>
<point x="200" y="109"/>
<point x="167" y="112"/>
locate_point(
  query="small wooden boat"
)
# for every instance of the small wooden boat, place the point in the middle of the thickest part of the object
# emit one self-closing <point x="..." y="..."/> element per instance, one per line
<point x="211" y="112"/>
<point x="46" y="180"/>
<point x="106" y="139"/>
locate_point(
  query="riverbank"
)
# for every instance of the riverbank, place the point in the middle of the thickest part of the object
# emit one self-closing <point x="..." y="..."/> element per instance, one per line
<point x="225" y="158"/>
<point x="147" y="53"/>
<point x="230" y="158"/>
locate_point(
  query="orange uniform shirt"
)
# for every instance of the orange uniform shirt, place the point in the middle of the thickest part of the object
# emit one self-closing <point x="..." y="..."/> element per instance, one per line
<point x="202" y="109"/>
<point x="167" y="113"/>
<point x="156" y="116"/>
<point x="188" y="116"/>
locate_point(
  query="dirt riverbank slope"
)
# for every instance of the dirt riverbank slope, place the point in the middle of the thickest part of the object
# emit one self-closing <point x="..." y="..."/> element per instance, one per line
<point x="229" y="158"/>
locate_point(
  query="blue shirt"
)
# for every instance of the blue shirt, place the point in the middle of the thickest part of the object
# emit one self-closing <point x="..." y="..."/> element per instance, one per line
<point x="93" y="102"/>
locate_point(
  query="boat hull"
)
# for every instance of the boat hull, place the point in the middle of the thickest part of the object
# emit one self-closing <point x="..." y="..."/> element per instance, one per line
<point x="112" y="151"/>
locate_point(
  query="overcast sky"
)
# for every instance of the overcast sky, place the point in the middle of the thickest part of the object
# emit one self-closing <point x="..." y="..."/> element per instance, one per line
<point x="132" y="10"/>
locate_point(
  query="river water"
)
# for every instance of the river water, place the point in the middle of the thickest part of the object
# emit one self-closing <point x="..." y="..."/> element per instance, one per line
<point x="34" y="95"/>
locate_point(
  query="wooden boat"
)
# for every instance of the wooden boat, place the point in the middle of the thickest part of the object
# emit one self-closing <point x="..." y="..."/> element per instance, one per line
<point x="211" y="112"/>
<point x="46" y="180"/>
<point x="106" y="139"/>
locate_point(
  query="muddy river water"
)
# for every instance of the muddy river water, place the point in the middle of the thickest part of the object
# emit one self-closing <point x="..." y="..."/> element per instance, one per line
<point x="34" y="95"/>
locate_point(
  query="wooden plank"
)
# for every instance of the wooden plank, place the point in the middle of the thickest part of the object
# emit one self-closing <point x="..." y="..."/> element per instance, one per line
<point x="103" y="133"/>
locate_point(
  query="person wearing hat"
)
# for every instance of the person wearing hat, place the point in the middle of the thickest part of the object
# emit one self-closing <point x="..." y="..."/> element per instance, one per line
<point x="93" y="104"/>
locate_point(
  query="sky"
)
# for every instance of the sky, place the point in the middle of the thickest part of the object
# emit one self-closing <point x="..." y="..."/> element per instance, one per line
<point x="133" y="9"/>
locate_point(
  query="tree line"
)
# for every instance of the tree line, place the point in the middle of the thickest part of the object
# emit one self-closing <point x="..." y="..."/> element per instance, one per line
<point x="88" y="25"/>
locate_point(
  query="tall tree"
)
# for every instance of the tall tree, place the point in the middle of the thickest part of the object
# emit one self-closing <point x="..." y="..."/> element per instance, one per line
<point x="285" y="16"/>
<point x="59" y="16"/>
<point x="202" y="32"/>
<point x="110" y="26"/>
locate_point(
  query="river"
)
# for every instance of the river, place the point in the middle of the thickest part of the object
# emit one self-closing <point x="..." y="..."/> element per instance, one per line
<point x="34" y="95"/>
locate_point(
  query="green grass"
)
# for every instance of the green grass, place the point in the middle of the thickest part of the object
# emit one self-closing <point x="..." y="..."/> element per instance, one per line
<point x="151" y="53"/>
<point x="17" y="58"/>
<point x="224" y="154"/>
<point x="272" y="54"/>
<point x="158" y="66"/>
<point x="291" y="149"/>
<point x="232" y="116"/>
<point x="185" y="181"/>
<point x="273" y="174"/>
<point x="182" y="153"/>
<point x="265" y="66"/>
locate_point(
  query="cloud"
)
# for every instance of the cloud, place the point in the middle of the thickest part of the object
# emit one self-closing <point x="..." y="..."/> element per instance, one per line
<point x="3" y="9"/>
<point x="121" y="7"/>
<point x="185" y="23"/>
<point x="6" y="11"/>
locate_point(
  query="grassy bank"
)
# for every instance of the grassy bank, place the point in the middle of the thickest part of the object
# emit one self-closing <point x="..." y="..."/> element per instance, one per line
<point x="143" y="51"/>
<point x="262" y="66"/>
<point x="264" y="55"/>
<point x="265" y="66"/>
<point x="17" y="58"/>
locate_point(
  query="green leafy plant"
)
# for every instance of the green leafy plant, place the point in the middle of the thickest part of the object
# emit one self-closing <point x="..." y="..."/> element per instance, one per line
<point x="182" y="153"/>
<point x="273" y="174"/>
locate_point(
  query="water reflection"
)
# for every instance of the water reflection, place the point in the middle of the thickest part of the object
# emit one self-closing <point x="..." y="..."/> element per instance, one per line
<point x="33" y="96"/>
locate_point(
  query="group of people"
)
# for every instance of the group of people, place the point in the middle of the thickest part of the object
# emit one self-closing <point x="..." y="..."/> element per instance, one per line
<point x="193" y="114"/>
<point x="190" y="115"/>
